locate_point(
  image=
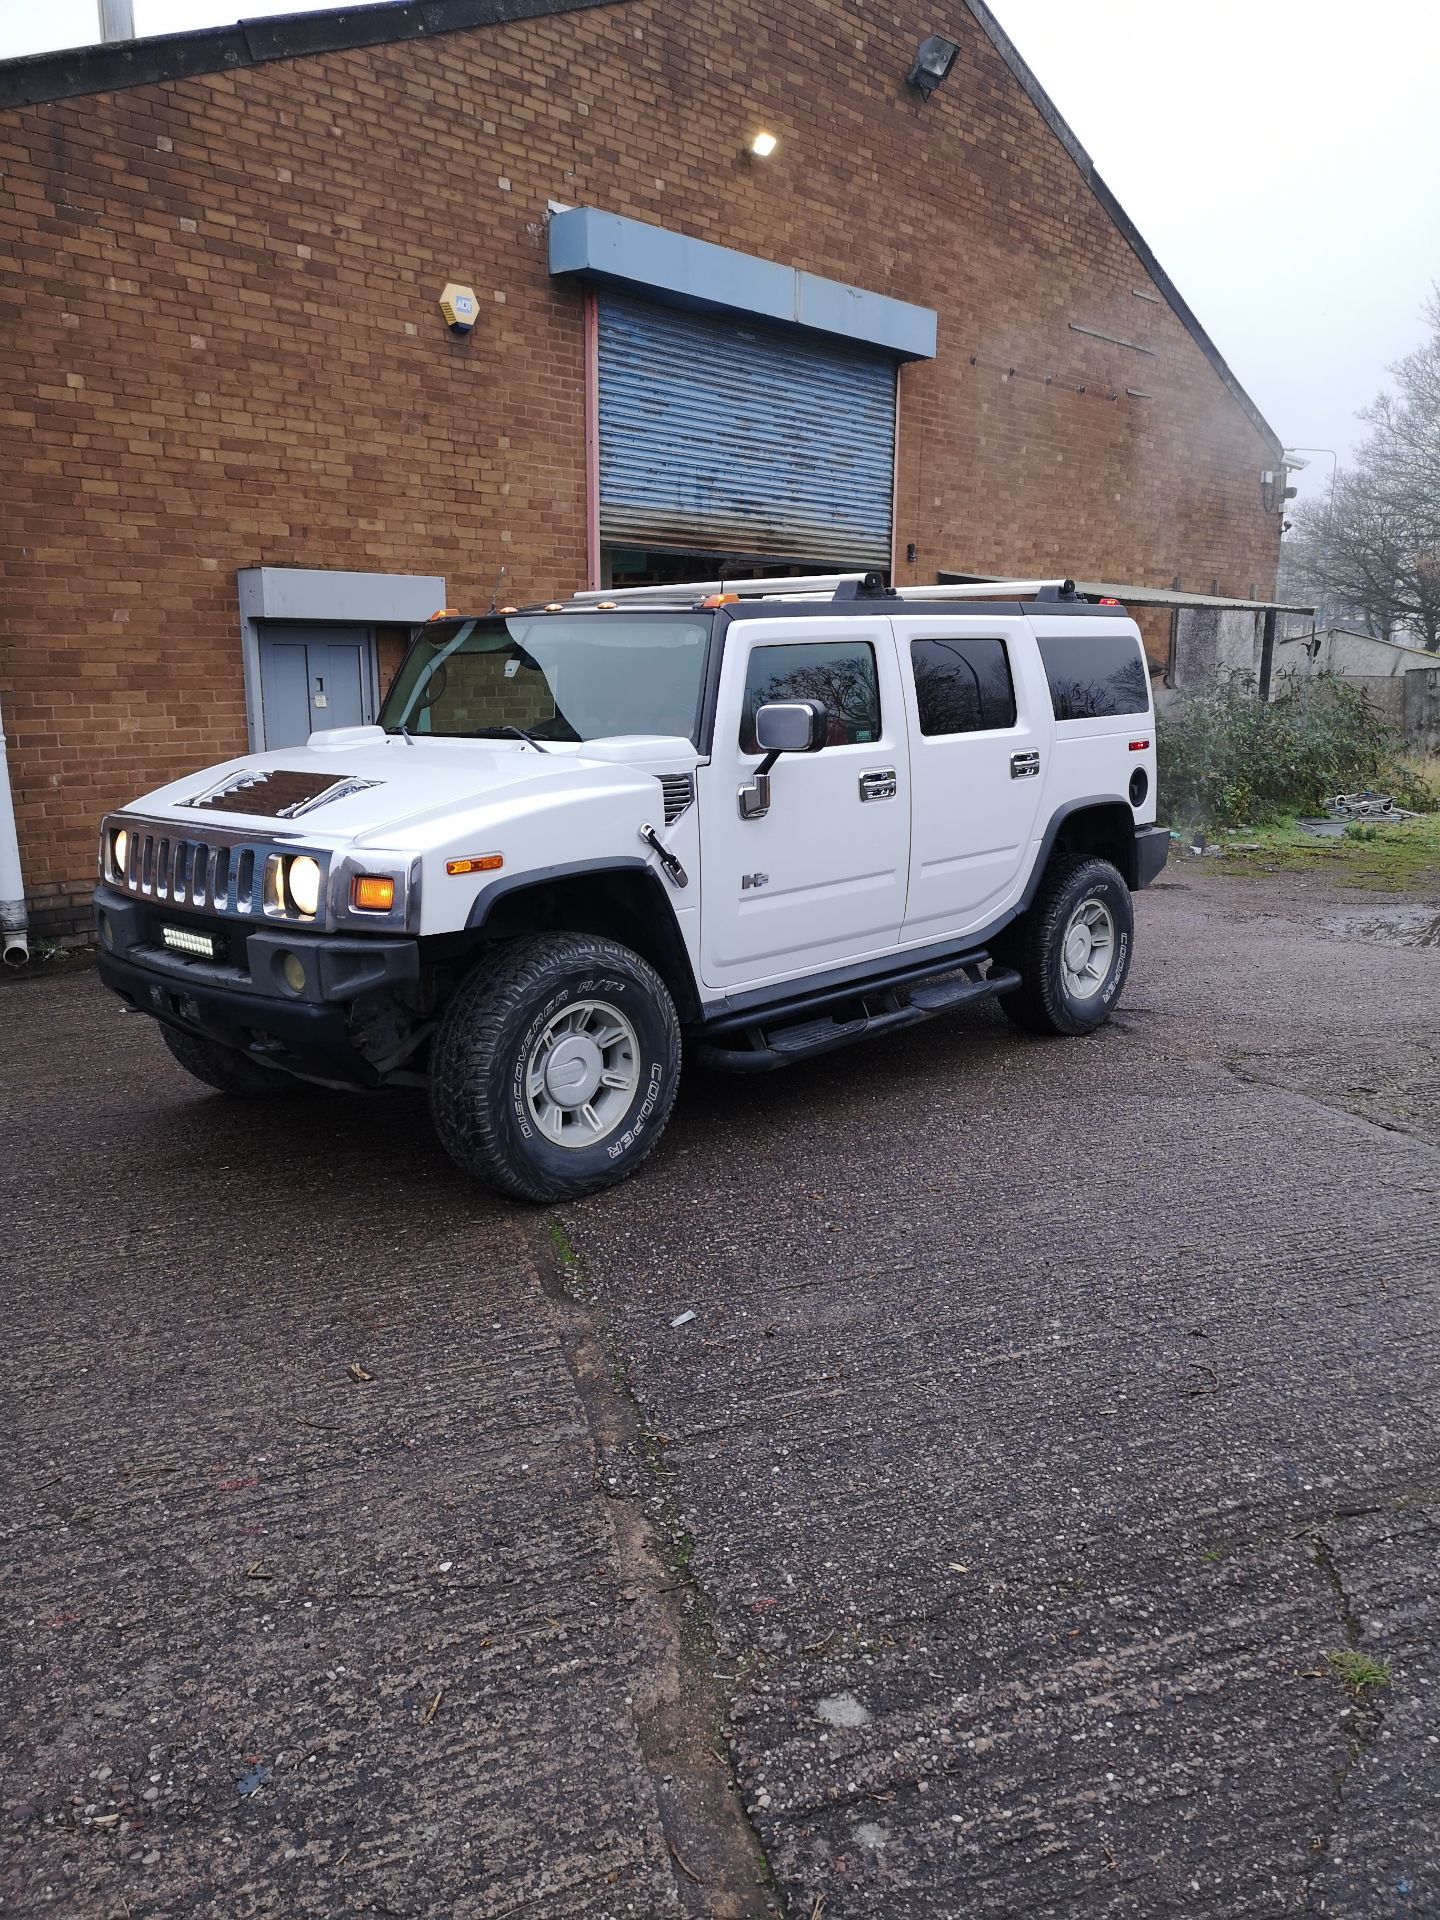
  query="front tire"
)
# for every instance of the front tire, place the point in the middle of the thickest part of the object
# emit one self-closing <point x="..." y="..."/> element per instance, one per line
<point x="555" y="1067"/>
<point x="224" y="1069"/>
<point x="1073" y="951"/>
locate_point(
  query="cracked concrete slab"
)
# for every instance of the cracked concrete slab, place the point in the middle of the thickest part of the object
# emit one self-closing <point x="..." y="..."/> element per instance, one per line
<point x="1048" y="1416"/>
<point x="313" y="1604"/>
<point x="1019" y="1377"/>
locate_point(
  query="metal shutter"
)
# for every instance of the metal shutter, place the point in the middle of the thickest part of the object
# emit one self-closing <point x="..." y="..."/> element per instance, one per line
<point x="727" y="435"/>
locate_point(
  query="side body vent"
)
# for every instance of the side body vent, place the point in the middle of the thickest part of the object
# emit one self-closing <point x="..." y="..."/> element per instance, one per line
<point x="679" y="790"/>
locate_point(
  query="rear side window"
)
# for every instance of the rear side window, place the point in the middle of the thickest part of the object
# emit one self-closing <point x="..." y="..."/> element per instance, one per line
<point x="1093" y="675"/>
<point x="962" y="686"/>
<point x="839" y="674"/>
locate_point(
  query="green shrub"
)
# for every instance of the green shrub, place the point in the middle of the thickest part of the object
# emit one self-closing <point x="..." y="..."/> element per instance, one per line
<point x="1227" y="760"/>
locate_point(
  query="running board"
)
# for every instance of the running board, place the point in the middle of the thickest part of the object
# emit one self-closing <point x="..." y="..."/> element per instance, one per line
<point x="879" y="1011"/>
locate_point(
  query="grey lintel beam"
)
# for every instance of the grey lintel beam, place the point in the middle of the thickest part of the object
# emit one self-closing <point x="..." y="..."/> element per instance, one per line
<point x="589" y="245"/>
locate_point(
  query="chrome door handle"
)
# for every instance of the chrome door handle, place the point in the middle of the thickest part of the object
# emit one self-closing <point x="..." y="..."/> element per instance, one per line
<point x="1024" y="766"/>
<point x="878" y="785"/>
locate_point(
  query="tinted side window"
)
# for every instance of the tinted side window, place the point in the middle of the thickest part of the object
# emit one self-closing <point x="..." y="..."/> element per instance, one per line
<point x="1092" y="675"/>
<point x="840" y="674"/>
<point x="962" y="686"/>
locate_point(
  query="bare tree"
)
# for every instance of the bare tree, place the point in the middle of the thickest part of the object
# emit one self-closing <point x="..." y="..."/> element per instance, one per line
<point x="1370" y="551"/>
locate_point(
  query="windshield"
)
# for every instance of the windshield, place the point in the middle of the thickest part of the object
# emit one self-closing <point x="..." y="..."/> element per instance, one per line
<point x="584" y="676"/>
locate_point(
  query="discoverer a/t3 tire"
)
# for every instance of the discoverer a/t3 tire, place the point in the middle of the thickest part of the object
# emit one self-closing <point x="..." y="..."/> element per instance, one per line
<point x="555" y="1067"/>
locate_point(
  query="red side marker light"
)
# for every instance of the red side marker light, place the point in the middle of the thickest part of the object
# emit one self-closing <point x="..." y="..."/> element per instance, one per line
<point x="1138" y="746"/>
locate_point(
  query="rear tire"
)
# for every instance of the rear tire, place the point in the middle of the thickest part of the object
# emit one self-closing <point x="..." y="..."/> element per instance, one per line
<point x="1072" y="950"/>
<point x="224" y="1069"/>
<point x="555" y="1067"/>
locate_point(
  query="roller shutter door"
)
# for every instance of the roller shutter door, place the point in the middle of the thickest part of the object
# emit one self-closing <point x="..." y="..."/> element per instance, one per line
<point x="723" y="435"/>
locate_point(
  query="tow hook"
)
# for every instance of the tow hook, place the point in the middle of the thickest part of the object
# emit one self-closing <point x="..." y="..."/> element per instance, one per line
<point x="667" y="859"/>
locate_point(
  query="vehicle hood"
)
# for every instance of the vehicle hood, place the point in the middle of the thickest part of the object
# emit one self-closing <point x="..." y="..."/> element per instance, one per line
<point x="360" y="785"/>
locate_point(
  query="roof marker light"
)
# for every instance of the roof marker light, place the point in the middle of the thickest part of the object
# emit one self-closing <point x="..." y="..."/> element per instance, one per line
<point x="720" y="600"/>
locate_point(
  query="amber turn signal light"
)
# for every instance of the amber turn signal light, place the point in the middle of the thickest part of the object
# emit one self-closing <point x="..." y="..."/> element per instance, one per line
<point x="478" y="863"/>
<point x="372" y="893"/>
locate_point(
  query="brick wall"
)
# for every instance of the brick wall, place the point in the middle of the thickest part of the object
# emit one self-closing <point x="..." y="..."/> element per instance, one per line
<point x="224" y="350"/>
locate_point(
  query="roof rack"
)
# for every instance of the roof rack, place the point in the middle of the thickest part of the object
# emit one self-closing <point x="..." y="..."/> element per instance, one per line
<point x="815" y="586"/>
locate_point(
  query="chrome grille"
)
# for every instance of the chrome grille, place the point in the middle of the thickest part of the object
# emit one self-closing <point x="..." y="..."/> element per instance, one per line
<point x="679" y="791"/>
<point x="208" y="874"/>
<point x="194" y="873"/>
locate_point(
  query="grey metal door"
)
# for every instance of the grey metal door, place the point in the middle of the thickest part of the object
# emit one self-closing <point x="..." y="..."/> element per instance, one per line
<point x="312" y="679"/>
<point x="718" y="436"/>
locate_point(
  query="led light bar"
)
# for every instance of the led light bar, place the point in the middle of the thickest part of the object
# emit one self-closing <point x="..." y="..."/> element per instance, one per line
<point x="181" y="940"/>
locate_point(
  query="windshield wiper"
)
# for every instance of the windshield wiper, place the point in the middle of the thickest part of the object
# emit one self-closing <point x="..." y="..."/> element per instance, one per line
<point x="507" y="733"/>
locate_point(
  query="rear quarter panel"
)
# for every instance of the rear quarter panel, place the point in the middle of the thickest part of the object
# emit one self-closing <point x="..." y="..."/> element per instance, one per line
<point x="1094" y="758"/>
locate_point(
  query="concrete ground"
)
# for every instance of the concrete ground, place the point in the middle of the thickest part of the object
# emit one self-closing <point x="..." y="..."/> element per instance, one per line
<point x="1052" y="1413"/>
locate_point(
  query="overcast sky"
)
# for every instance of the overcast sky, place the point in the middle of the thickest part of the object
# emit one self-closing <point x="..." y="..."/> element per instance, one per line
<point x="1282" y="159"/>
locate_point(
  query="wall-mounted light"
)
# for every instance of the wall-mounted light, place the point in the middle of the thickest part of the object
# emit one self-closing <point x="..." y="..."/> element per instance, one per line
<point x="933" y="61"/>
<point x="763" y="145"/>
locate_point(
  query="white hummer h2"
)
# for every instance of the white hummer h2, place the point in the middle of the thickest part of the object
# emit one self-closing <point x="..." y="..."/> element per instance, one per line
<point x="768" y="816"/>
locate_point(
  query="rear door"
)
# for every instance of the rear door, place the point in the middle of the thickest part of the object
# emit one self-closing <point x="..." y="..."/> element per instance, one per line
<point x="820" y="879"/>
<point x="980" y="733"/>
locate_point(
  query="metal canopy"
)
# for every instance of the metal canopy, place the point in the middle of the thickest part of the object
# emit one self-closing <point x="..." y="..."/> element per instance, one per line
<point x="1144" y="596"/>
<point x="588" y="244"/>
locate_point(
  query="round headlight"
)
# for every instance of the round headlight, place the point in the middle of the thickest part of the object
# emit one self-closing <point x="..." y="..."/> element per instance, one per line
<point x="302" y="880"/>
<point x="120" y="852"/>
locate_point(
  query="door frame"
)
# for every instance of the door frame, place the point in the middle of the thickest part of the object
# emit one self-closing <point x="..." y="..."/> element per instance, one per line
<point x="319" y="597"/>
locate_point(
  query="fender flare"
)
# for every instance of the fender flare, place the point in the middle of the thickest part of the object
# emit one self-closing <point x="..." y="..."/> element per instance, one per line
<point x="647" y="890"/>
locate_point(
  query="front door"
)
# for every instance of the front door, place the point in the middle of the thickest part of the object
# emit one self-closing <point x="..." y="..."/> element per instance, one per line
<point x="313" y="679"/>
<point x="820" y="879"/>
<point x="981" y="731"/>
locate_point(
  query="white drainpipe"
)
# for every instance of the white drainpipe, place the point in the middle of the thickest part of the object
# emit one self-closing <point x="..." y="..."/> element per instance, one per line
<point x="14" y="941"/>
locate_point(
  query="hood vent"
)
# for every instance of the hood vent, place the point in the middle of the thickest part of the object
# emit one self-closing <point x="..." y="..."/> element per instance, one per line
<point x="275" y="794"/>
<point x="679" y="790"/>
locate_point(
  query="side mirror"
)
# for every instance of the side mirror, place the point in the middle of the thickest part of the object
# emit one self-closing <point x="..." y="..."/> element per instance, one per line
<point x="782" y="726"/>
<point x="791" y="726"/>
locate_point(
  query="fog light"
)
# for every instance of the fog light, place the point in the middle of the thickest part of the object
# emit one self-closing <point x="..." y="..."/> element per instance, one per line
<point x="107" y="932"/>
<point x="302" y="879"/>
<point x="293" y="970"/>
<point x="372" y="893"/>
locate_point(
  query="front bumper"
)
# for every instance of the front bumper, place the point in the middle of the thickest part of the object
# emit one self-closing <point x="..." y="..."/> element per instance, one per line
<point x="359" y="1003"/>
<point x="1152" y="850"/>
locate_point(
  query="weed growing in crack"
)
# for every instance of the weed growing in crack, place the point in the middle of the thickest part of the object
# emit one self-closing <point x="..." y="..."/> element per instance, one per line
<point x="1357" y="1670"/>
<point x="571" y="1272"/>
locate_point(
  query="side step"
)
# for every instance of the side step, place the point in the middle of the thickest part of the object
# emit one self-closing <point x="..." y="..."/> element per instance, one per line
<point x="864" y="1015"/>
